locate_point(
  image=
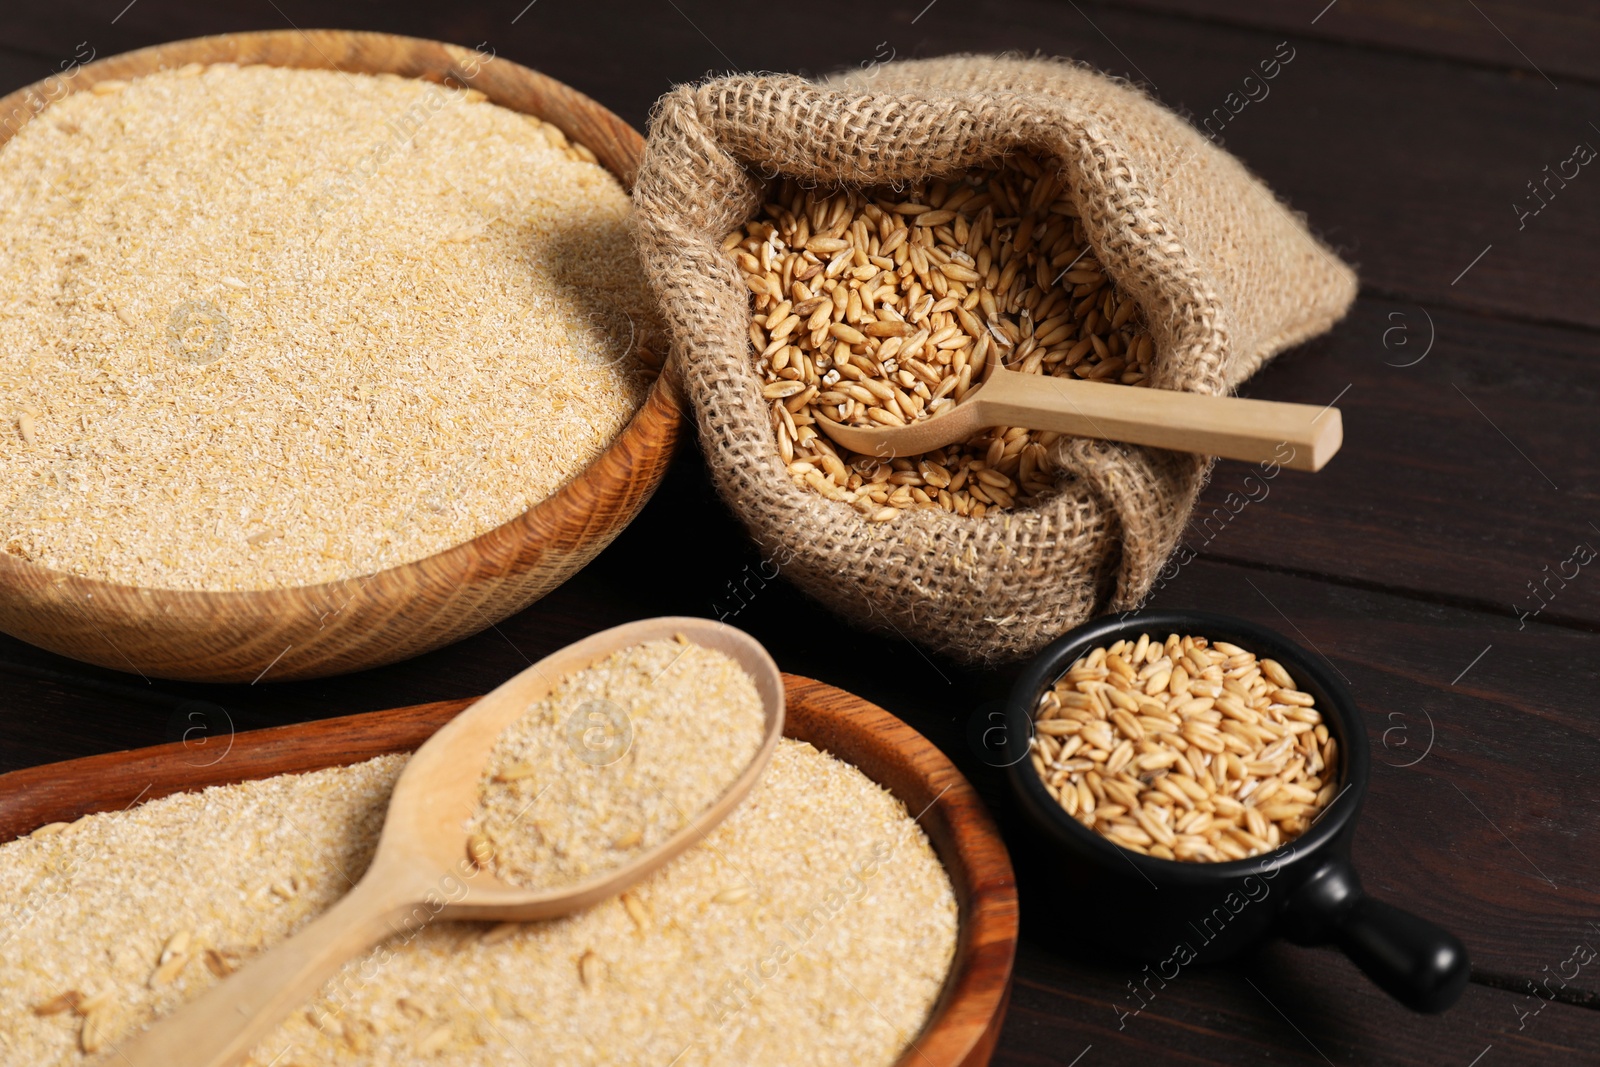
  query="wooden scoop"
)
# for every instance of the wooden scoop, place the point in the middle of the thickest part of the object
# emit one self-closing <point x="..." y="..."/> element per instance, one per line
<point x="421" y="871"/>
<point x="1227" y="426"/>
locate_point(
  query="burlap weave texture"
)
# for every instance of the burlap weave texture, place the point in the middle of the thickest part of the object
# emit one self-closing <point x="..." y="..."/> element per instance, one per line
<point x="1224" y="276"/>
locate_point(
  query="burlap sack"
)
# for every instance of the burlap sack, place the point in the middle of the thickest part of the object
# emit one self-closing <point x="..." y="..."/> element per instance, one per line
<point x="1224" y="276"/>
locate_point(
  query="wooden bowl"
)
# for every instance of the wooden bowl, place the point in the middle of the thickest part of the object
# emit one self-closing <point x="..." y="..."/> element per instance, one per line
<point x="966" y="1021"/>
<point x="356" y="623"/>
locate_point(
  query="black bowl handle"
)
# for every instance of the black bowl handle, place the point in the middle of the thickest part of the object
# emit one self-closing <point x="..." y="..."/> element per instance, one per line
<point x="1420" y="965"/>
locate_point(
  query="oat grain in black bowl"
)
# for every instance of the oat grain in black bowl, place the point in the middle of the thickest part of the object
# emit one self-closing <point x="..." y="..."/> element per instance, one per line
<point x="1192" y="781"/>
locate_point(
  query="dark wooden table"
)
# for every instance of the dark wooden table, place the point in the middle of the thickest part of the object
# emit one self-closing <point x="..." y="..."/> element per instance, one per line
<point x="1420" y="562"/>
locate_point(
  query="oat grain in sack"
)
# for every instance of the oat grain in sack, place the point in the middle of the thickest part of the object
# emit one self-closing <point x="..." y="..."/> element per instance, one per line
<point x="1223" y="275"/>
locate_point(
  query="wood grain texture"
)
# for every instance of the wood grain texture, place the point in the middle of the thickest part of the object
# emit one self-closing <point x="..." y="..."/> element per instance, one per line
<point x="1555" y="37"/>
<point x="336" y="627"/>
<point x="1440" y="489"/>
<point x="966" y="1022"/>
<point x="1292" y="1006"/>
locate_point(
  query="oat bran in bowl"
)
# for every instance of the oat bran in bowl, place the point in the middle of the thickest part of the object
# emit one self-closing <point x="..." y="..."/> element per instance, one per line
<point x="691" y="954"/>
<point x="406" y="397"/>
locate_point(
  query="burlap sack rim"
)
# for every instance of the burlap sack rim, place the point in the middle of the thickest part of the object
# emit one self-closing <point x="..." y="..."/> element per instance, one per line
<point x="1143" y="285"/>
<point x="1082" y="462"/>
<point x="1077" y="503"/>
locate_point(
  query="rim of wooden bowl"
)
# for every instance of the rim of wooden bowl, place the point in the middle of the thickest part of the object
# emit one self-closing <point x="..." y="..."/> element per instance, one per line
<point x="964" y="1024"/>
<point x="311" y="631"/>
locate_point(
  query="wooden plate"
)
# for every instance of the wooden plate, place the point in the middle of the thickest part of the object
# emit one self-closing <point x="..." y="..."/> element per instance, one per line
<point x="966" y="1021"/>
<point x="318" y="630"/>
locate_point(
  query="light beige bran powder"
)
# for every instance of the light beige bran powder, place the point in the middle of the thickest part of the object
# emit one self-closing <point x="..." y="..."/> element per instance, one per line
<point x="263" y="327"/>
<point x="819" y="860"/>
<point x="614" y="761"/>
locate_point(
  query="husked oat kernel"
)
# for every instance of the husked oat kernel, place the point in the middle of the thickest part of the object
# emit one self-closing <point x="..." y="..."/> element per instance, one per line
<point x="834" y="958"/>
<point x="263" y="327"/>
<point x="613" y="762"/>
<point x="883" y="307"/>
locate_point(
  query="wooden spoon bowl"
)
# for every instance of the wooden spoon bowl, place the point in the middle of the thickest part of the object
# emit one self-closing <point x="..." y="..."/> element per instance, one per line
<point x="423" y="852"/>
<point x="394" y="614"/>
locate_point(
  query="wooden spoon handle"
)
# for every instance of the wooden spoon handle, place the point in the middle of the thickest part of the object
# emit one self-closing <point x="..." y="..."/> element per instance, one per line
<point x="1298" y="436"/>
<point x="221" y="1026"/>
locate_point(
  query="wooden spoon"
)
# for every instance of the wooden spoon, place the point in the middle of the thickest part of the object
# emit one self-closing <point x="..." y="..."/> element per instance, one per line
<point x="1227" y="426"/>
<point x="421" y="872"/>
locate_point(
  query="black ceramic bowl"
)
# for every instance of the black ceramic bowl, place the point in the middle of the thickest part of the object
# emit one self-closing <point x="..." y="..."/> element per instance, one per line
<point x="1171" y="914"/>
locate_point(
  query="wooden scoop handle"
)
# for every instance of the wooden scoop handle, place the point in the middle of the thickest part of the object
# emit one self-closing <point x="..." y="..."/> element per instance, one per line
<point x="220" y="1027"/>
<point x="1298" y="436"/>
